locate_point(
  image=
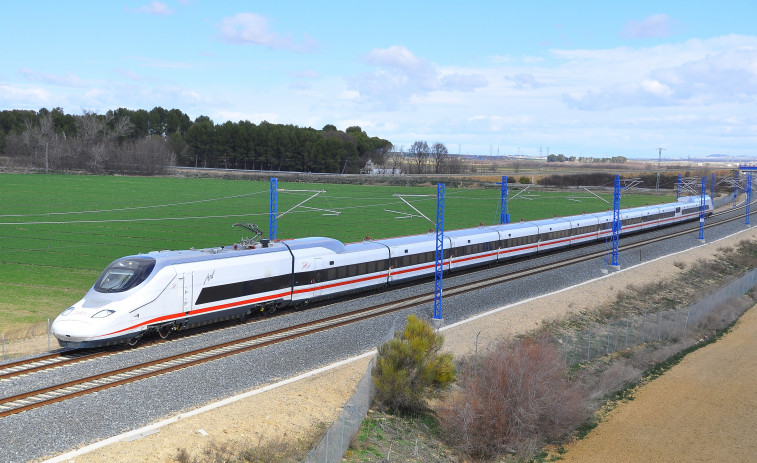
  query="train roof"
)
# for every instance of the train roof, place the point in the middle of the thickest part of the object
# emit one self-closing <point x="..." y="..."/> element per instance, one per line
<point x="336" y="246"/>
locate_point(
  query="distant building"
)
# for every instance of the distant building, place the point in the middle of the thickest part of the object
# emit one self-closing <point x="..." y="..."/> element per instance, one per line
<point x="370" y="169"/>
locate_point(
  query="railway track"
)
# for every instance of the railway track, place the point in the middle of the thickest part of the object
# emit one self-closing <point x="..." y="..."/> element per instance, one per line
<point x="37" y="398"/>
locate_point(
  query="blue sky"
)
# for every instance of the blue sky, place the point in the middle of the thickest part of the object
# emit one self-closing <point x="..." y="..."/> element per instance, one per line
<point x="577" y="78"/>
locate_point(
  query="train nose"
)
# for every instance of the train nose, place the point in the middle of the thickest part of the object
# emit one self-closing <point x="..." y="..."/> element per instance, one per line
<point x="71" y="330"/>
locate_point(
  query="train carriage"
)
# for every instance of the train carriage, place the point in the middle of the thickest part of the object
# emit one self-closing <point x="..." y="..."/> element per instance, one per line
<point x="414" y="256"/>
<point x="584" y="228"/>
<point x="359" y="266"/>
<point x="517" y="239"/>
<point x="166" y="290"/>
<point x="553" y="233"/>
<point x="473" y="246"/>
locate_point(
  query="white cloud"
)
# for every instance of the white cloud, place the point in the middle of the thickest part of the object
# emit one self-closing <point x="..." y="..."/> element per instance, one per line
<point x="159" y="63"/>
<point x="14" y="96"/>
<point x="691" y="73"/>
<point x="656" y="88"/>
<point x="129" y="74"/>
<point x="253" y="29"/>
<point x="69" y="80"/>
<point x="306" y="74"/>
<point x="652" y="27"/>
<point x="396" y="57"/>
<point x="524" y="80"/>
<point x="401" y="76"/>
<point x="155" y="8"/>
<point x="463" y="83"/>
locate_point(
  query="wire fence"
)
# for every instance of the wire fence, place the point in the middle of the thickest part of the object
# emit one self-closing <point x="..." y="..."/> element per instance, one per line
<point x="582" y="346"/>
<point x="604" y="339"/>
<point x="722" y="201"/>
<point x="336" y="441"/>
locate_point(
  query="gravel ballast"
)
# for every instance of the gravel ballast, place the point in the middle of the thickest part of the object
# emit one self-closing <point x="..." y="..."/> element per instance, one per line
<point x="74" y="423"/>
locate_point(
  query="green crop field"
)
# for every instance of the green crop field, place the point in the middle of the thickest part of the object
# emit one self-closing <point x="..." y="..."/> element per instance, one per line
<point x="57" y="232"/>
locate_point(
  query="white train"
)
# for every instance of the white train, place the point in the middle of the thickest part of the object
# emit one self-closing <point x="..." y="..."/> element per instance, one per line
<point x="164" y="291"/>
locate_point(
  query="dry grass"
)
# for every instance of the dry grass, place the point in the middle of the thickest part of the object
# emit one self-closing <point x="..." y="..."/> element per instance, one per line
<point x="618" y="375"/>
<point x="515" y="398"/>
<point x="25" y="332"/>
<point x="276" y="450"/>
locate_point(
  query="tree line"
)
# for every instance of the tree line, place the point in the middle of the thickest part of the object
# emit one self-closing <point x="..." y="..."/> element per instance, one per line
<point x="140" y="141"/>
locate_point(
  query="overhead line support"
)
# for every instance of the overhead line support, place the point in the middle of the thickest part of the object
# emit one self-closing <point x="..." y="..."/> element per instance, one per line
<point x="439" y="267"/>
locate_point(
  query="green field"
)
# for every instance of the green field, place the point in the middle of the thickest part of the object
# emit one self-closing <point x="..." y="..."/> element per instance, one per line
<point x="57" y="232"/>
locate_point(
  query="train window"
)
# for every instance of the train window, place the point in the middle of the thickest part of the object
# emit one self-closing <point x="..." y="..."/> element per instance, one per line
<point x="124" y="274"/>
<point x="362" y="269"/>
<point x="331" y="274"/>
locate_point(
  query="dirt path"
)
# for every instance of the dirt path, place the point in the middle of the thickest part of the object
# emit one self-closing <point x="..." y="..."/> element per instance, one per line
<point x="298" y="407"/>
<point x="701" y="410"/>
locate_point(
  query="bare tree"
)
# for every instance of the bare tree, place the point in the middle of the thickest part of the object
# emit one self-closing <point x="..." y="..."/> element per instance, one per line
<point x="420" y="153"/>
<point x="97" y="135"/>
<point x="455" y="165"/>
<point x="397" y="155"/>
<point x="516" y="165"/>
<point x="440" y="154"/>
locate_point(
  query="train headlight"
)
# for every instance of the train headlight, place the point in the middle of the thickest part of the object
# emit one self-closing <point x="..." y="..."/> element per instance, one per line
<point x="103" y="313"/>
<point x="67" y="311"/>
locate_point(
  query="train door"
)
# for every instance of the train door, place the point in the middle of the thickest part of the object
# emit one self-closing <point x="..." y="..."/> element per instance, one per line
<point x="319" y="276"/>
<point x="186" y="282"/>
<point x="449" y="250"/>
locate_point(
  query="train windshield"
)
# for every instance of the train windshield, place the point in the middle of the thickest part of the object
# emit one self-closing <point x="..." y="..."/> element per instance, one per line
<point x="124" y="274"/>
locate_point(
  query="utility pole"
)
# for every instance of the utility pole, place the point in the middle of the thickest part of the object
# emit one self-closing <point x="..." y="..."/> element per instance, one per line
<point x="659" y="163"/>
<point x="273" y="209"/>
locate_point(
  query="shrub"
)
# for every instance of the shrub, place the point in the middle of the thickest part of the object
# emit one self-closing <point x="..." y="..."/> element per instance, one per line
<point x="524" y="180"/>
<point x="409" y="368"/>
<point x="518" y="394"/>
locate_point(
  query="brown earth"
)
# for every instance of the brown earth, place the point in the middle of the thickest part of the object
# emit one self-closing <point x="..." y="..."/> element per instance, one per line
<point x="703" y="409"/>
<point x="297" y="409"/>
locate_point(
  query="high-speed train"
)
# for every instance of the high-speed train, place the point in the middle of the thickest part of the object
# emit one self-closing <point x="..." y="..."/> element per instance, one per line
<point x="163" y="291"/>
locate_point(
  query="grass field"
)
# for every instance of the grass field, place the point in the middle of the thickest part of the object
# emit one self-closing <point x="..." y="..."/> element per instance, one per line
<point x="57" y="232"/>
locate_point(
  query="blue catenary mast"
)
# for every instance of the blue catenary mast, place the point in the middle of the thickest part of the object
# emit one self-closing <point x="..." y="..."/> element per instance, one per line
<point x="274" y="208"/>
<point x="712" y="187"/>
<point x="439" y="252"/>
<point x="616" y="222"/>
<point x="701" y="208"/>
<point x="678" y="187"/>
<point x="735" y="187"/>
<point x="504" y="217"/>
<point x="748" y="195"/>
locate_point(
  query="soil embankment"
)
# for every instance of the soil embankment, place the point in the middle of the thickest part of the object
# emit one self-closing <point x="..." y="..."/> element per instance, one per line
<point x="703" y="409"/>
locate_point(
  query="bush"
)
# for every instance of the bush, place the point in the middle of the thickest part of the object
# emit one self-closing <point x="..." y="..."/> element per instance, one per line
<point x="409" y="368"/>
<point x="524" y="180"/>
<point x="515" y="397"/>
